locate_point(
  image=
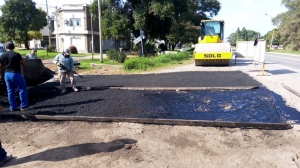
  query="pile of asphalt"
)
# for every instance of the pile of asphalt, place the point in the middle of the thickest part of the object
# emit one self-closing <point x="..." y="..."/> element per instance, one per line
<point x="252" y="105"/>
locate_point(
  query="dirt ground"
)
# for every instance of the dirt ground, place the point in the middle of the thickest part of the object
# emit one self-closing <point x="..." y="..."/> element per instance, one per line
<point x="88" y="144"/>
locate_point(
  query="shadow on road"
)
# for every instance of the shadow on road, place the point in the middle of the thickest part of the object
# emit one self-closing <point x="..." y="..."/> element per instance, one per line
<point x="281" y="72"/>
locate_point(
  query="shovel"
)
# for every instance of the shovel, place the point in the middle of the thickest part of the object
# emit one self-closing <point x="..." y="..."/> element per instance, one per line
<point x="81" y="76"/>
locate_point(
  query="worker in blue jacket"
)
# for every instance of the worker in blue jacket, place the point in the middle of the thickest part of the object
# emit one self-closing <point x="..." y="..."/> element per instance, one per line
<point x="65" y="65"/>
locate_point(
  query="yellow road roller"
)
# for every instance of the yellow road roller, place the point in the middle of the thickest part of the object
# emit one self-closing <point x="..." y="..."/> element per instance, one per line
<point x="211" y="49"/>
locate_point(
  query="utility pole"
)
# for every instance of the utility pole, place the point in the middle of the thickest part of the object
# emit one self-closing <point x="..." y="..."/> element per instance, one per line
<point x="92" y="29"/>
<point x="92" y="41"/>
<point x="57" y="37"/>
<point x="271" y="44"/>
<point x="100" y="31"/>
<point x="237" y="37"/>
<point x="48" y="26"/>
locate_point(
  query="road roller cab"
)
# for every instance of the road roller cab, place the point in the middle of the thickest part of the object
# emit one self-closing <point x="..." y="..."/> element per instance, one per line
<point x="211" y="49"/>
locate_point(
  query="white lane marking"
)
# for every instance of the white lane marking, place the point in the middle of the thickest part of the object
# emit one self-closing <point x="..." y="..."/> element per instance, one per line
<point x="283" y="57"/>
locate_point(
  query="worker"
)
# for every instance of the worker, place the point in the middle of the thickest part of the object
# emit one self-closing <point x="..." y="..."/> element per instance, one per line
<point x="13" y="63"/>
<point x="65" y="65"/>
<point x="31" y="55"/>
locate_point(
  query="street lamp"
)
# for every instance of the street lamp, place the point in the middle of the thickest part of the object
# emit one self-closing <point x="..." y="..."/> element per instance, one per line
<point x="271" y="44"/>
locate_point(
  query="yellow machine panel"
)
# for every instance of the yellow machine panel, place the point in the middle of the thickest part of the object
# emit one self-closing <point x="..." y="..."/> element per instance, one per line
<point x="213" y="55"/>
<point x="210" y="49"/>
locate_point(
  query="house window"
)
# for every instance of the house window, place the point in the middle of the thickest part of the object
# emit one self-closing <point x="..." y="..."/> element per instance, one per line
<point x="75" y="22"/>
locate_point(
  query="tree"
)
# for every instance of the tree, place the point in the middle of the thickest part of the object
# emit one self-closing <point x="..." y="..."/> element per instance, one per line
<point x="157" y="18"/>
<point x="116" y="18"/>
<point x="244" y="34"/>
<point x="184" y="32"/>
<point x="35" y="35"/>
<point x="248" y="35"/>
<point x="186" y="21"/>
<point x="18" y="18"/>
<point x="290" y="24"/>
<point x="277" y="39"/>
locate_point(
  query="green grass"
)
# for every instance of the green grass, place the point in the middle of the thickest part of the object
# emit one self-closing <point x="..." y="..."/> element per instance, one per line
<point x="285" y="51"/>
<point x="86" y="63"/>
<point x="150" y="63"/>
<point x="42" y="54"/>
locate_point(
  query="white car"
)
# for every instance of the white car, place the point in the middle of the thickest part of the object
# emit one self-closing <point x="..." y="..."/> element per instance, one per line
<point x="2" y="49"/>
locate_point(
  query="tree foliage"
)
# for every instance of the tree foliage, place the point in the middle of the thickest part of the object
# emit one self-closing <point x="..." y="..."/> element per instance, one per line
<point x="289" y="24"/>
<point x="35" y="35"/>
<point x="18" y="18"/>
<point x="115" y="18"/>
<point x="244" y="35"/>
<point x="277" y="39"/>
<point x="172" y="20"/>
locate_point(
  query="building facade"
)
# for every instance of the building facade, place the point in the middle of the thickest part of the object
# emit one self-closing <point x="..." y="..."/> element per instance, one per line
<point x="72" y="24"/>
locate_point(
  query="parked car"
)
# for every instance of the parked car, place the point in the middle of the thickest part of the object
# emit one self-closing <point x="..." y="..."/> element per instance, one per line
<point x="2" y="49"/>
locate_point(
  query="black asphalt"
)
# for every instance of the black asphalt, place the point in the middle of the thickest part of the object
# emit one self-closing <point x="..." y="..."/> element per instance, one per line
<point x="255" y="105"/>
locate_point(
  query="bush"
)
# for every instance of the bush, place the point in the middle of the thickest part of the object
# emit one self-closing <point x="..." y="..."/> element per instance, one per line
<point x="145" y="63"/>
<point x="73" y="50"/>
<point x="138" y="63"/>
<point x="50" y="48"/>
<point x="116" y="55"/>
<point x="150" y="49"/>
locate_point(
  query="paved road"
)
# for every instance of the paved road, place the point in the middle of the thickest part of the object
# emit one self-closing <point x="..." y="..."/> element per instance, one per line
<point x="287" y="61"/>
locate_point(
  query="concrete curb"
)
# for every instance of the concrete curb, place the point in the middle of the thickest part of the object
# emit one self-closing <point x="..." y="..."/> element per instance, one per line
<point x="205" y="123"/>
<point x="291" y="90"/>
<point x="173" y="88"/>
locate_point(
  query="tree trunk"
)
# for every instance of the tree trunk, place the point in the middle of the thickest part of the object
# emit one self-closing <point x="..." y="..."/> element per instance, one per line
<point x="26" y="44"/>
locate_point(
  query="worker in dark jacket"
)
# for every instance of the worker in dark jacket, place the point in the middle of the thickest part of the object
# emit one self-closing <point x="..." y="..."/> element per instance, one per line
<point x="14" y="79"/>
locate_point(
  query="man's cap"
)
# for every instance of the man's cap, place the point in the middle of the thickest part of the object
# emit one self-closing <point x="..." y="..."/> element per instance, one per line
<point x="10" y="45"/>
<point x="67" y="51"/>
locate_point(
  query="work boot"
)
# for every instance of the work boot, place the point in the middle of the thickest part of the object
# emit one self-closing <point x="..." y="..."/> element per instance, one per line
<point x="27" y="108"/>
<point x="7" y="159"/>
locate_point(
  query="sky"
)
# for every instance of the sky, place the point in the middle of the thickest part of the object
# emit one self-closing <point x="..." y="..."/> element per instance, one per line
<point x="250" y="14"/>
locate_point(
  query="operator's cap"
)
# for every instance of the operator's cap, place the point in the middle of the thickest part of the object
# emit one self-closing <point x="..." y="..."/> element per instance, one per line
<point x="67" y="51"/>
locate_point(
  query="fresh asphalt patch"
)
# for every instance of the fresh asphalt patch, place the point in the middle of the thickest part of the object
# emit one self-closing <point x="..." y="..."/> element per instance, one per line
<point x="97" y="99"/>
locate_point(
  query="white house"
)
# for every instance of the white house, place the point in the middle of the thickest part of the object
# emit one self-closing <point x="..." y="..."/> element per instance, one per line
<point x="72" y="25"/>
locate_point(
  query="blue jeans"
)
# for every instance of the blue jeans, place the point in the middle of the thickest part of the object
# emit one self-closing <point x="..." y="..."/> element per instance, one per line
<point x="2" y="153"/>
<point x="16" y="81"/>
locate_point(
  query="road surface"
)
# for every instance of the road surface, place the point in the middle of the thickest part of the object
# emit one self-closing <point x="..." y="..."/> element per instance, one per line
<point x="290" y="62"/>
